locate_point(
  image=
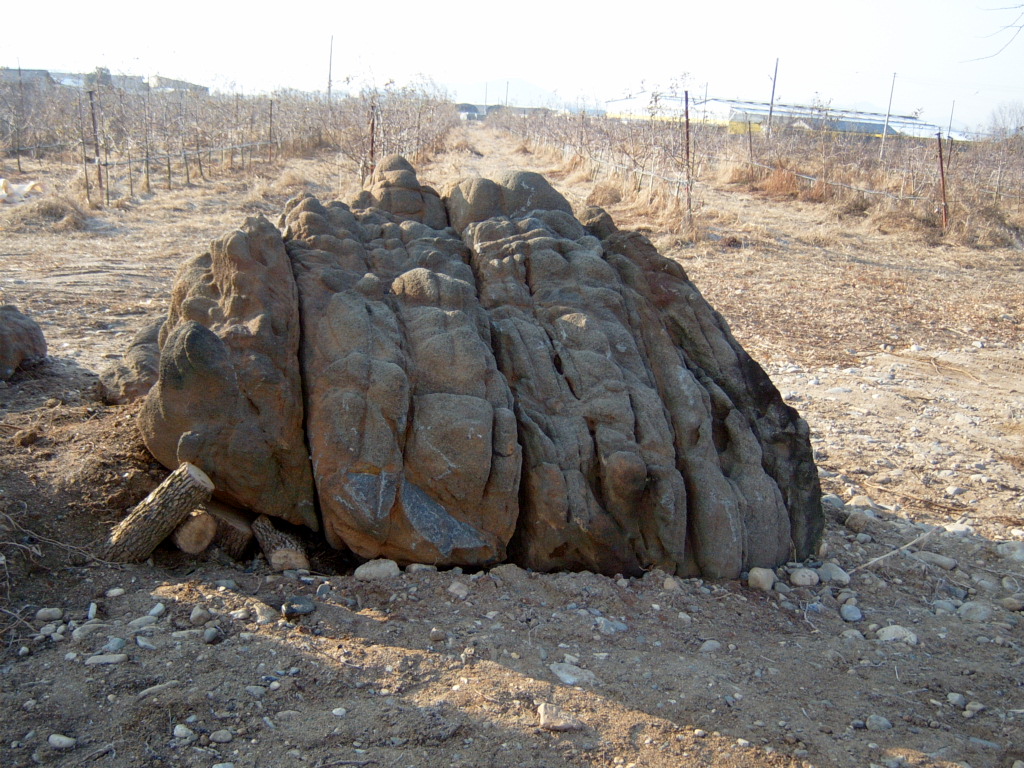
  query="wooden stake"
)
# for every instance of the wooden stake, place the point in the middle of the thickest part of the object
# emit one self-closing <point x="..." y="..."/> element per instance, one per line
<point x="156" y="516"/>
<point x="283" y="551"/>
<point x="942" y="178"/>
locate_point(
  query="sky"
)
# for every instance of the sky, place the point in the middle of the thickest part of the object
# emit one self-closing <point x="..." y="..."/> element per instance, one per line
<point x="948" y="55"/>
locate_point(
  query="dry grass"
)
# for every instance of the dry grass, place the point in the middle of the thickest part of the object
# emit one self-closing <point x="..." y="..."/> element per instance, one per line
<point x="605" y="194"/>
<point x="57" y="213"/>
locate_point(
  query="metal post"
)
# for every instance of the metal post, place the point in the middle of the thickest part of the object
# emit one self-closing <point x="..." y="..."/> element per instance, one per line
<point x="888" y="113"/>
<point x="771" y="106"/>
<point x="942" y="177"/>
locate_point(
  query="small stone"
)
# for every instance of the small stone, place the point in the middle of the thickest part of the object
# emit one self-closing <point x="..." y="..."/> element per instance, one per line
<point x="852" y="634"/>
<point x="958" y="529"/>
<point x="115" y="592"/>
<point x="742" y="743"/>
<point x="114" y="645"/>
<point x="265" y="614"/>
<point x="933" y="558"/>
<point x="1014" y="603"/>
<point x="60" y="741"/>
<point x="685" y="618"/>
<point x="710" y="646"/>
<point x="324" y="591"/>
<point x="896" y="634"/>
<point x="1011" y="550"/>
<point x="974" y="611"/>
<point x="84" y="631"/>
<point x="570" y="674"/>
<point x="945" y="606"/>
<point x="956" y="699"/>
<point x="761" y="579"/>
<point x="183" y="732"/>
<point x="803" y="577"/>
<point x="103" y="659"/>
<point x="877" y="723"/>
<point x="437" y="635"/>
<point x="607" y="626"/>
<point x="554" y="719"/>
<point x="144" y="643"/>
<point x="459" y="590"/>
<point x="420" y="568"/>
<point x="851" y="613"/>
<point x="223" y="736"/>
<point x="142" y="622"/>
<point x="297" y="605"/>
<point x="212" y="635"/>
<point x="857" y="522"/>
<point x="256" y="691"/>
<point x="49" y="614"/>
<point x="830" y="573"/>
<point x="339" y="711"/>
<point x="199" y="616"/>
<point x="158" y="610"/>
<point x="242" y="614"/>
<point x="863" y="501"/>
<point x="377" y="569"/>
<point x="700" y="733"/>
<point x="671" y="584"/>
<point x="973" y="708"/>
<point x="832" y="502"/>
<point x="223" y="765"/>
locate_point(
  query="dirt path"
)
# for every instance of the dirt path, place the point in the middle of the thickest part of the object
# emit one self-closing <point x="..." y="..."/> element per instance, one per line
<point x="410" y="671"/>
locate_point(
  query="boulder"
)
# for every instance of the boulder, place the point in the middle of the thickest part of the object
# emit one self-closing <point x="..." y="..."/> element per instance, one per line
<point x="519" y="386"/>
<point x="21" y="341"/>
<point x="228" y="397"/>
<point x="133" y="377"/>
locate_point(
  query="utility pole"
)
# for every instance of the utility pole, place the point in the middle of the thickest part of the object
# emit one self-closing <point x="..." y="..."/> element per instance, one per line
<point x="771" y="105"/>
<point x="330" y="68"/>
<point x="888" y="113"/>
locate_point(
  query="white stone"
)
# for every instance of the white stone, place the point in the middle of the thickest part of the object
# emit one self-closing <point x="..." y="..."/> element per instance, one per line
<point x="142" y="622"/>
<point x="459" y="590"/>
<point x="933" y="558"/>
<point x="60" y="741"/>
<point x="223" y="736"/>
<point x="877" y="723"/>
<point x="554" y="719"/>
<point x="265" y="614"/>
<point x="377" y="569"/>
<point x="974" y="611"/>
<point x="144" y="644"/>
<point x="49" y="614"/>
<point x="803" y="577"/>
<point x="761" y="579"/>
<point x="1011" y="550"/>
<point x="339" y="711"/>
<point x="710" y="646"/>
<point x="102" y="659"/>
<point x="896" y="634"/>
<point x="570" y="674"/>
<point x="183" y="732"/>
<point x="199" y="616"/>
<point x="115" y="592"/>
<point x="420" y="568"/>
<point x="158" y="610"/>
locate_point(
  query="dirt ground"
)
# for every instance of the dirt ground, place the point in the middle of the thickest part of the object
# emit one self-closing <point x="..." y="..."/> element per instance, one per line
<point x="904" y="354"/>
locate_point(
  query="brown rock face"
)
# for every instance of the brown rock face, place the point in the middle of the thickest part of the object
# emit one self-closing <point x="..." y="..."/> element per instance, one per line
<point x="535" y="389"/>
<point x="21" y="341"/>
<point x="229" y="398"/>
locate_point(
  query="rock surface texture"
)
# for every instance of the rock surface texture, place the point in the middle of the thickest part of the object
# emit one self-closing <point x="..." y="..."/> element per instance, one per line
<point x="131" y="378"/>
<point x="488" y="380"/>
<point x="21" y="341"/>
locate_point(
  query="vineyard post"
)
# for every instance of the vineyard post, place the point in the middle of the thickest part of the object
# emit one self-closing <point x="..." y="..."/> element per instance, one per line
<point x="96" y="143"/>
<point x="689" y="166"/>
<point x="942" y="177"/>
<point x="106" y="165"/>
<point x="146" y="140"/>
<point x="85" y="152"/>
<point x="131" y="181"/>
<point x="270" y="146"/>
<point x="750" y="147"/>
<point x="18" y="119"/>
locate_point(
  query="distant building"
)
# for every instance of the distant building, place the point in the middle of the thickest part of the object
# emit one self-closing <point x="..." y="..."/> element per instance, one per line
<point x="160" y="83"/>
<point x="26" y="78"/>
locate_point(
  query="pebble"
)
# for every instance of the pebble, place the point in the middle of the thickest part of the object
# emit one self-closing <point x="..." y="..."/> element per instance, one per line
<point x="158" y="610"/>
<point x="570" y="674"/>
<point x="609" y="626"/>
<point x="242" y="614"/>
<point x="833" y="502"/>
<point x="437" y="635"/>
<point x="324" y="591"/>
<point x="115" y="592"/>
<point x="851" y="613"/>
<point x="183" y="732"/>
<point x="1014" y="603"/>
<point x="114" y="645"/>
<point x="852" y="634"/>
<point x="803" y="577"/>
<point x="60" y="741"/>
<point x="82" y="632"/>
<point x="144" y="644"/>
<point x="933" y="558"/>
<point x="685" y="618"/>
<point x="1011" y="550"/>
<point x="142" y="622"/>
<point x="297" y="605"/>
<point x="862" y="501"/>
<point x="199" y="616"/>
<point x="710" y="646"/>
<point x="212" y="635"/>
<point x="223" y="765"/>
<point x="555" y="719"/>
<point x="946" y="606"/>
<point x="256" y="691"/>
<point x="223" y="736"/>
<point x="830" y="573"/>
<point x="420" y="568"/>
<point x="671" y="584"/>
<point x="958" y="529"/>
<point x="49" y="614"/>
<point x="339" y="711"/>
<point x="877" y="723"/>
<point x="973" y="708"/>
<point x="958" y="700"/>
<point x="896" y="634"/>
<point x="761" y="579"/>
<point x="101" y="659"/>
<point x="857" y="522"/>
<point x="377" y="569"/>
<point x="459" y="590"/>
<point x="974" y="611"/>
<point x="264" y="613"/>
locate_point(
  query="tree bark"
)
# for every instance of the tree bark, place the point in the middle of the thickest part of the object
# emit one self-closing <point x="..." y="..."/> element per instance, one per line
<point x="196" y="533"/>
<point x="156" y="516"/>
<point x="284" y="551"/>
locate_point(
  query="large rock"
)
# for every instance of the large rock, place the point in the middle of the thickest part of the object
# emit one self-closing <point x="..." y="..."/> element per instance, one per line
<point x="411" y="427"/>
<point x="229" y="397"/>
<point x="532" y="388"/>
<point x="133" y="377"/>
<point x="21" y="341"/>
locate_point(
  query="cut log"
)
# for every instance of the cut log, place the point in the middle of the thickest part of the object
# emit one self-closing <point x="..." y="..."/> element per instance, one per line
<point x="196" y="533"/>
<point x="234" y="530"/>
<point x="283" y="551"/>
<point x="157" y="515"/>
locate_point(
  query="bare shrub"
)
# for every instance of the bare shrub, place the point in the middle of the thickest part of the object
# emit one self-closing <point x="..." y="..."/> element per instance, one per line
<point x="54" y="212"/>
<point x="605" y="194"/>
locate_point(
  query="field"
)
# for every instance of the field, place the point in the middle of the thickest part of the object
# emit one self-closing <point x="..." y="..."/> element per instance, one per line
<point x="903" y="350"/>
